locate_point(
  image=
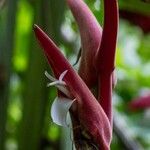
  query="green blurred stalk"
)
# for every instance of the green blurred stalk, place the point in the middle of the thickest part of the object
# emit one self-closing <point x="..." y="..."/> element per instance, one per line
<point x="35" y="96"/>
<point x="135" y="6"/>
<point x="35" y="92"/>
<point x="5" y="66"/>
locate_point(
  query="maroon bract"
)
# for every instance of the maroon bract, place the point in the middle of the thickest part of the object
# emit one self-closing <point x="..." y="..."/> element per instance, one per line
<point x="91" y="116"/>
<point x="106" y="55"/>
<point x="91" y="33"/>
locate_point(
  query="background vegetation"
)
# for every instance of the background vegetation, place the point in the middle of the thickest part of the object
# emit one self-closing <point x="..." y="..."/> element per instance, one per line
<point x="25" y="123"/>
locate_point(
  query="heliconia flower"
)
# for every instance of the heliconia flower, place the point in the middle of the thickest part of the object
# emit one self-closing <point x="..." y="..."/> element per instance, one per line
<point x="140" y="103"/>
<point x="91" y="116"/>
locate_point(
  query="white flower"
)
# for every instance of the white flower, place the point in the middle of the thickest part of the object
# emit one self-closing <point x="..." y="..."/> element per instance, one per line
<point x="60" y="111"/>
<point x="60" y="107"/>
<point x="60" y="84"/>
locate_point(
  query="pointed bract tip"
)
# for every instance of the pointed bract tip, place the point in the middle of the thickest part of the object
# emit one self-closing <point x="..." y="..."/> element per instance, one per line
<point x="38" y="30"/>
<point x="35" y="26"/>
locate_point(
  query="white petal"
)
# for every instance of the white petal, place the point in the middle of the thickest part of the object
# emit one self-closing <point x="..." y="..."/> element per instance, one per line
<point x="58" y="83"/>
<point x="49" y="76"/>
<point x="68" y="120"/>
<point x="59" y="110"/>
<point x="64" y="90"/>
<point x="62" y="75"/>
<point x="54" y="83"/>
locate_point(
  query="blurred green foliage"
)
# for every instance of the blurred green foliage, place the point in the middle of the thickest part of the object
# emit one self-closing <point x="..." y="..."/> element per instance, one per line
<point x="132" y="67"/>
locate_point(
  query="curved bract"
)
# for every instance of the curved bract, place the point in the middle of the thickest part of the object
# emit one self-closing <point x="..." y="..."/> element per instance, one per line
<point x="105" y="57"/>
<point x="106" y="53"/>
<point x="91" y="33"/>
<point x="90" y="114"/>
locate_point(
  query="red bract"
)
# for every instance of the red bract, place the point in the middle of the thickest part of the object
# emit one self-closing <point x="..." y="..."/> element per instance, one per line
<point x="97" y="64"/>
<point x="106" y="55"/>
<point x="142" y="102"/>
<point x="90" y="114"/>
